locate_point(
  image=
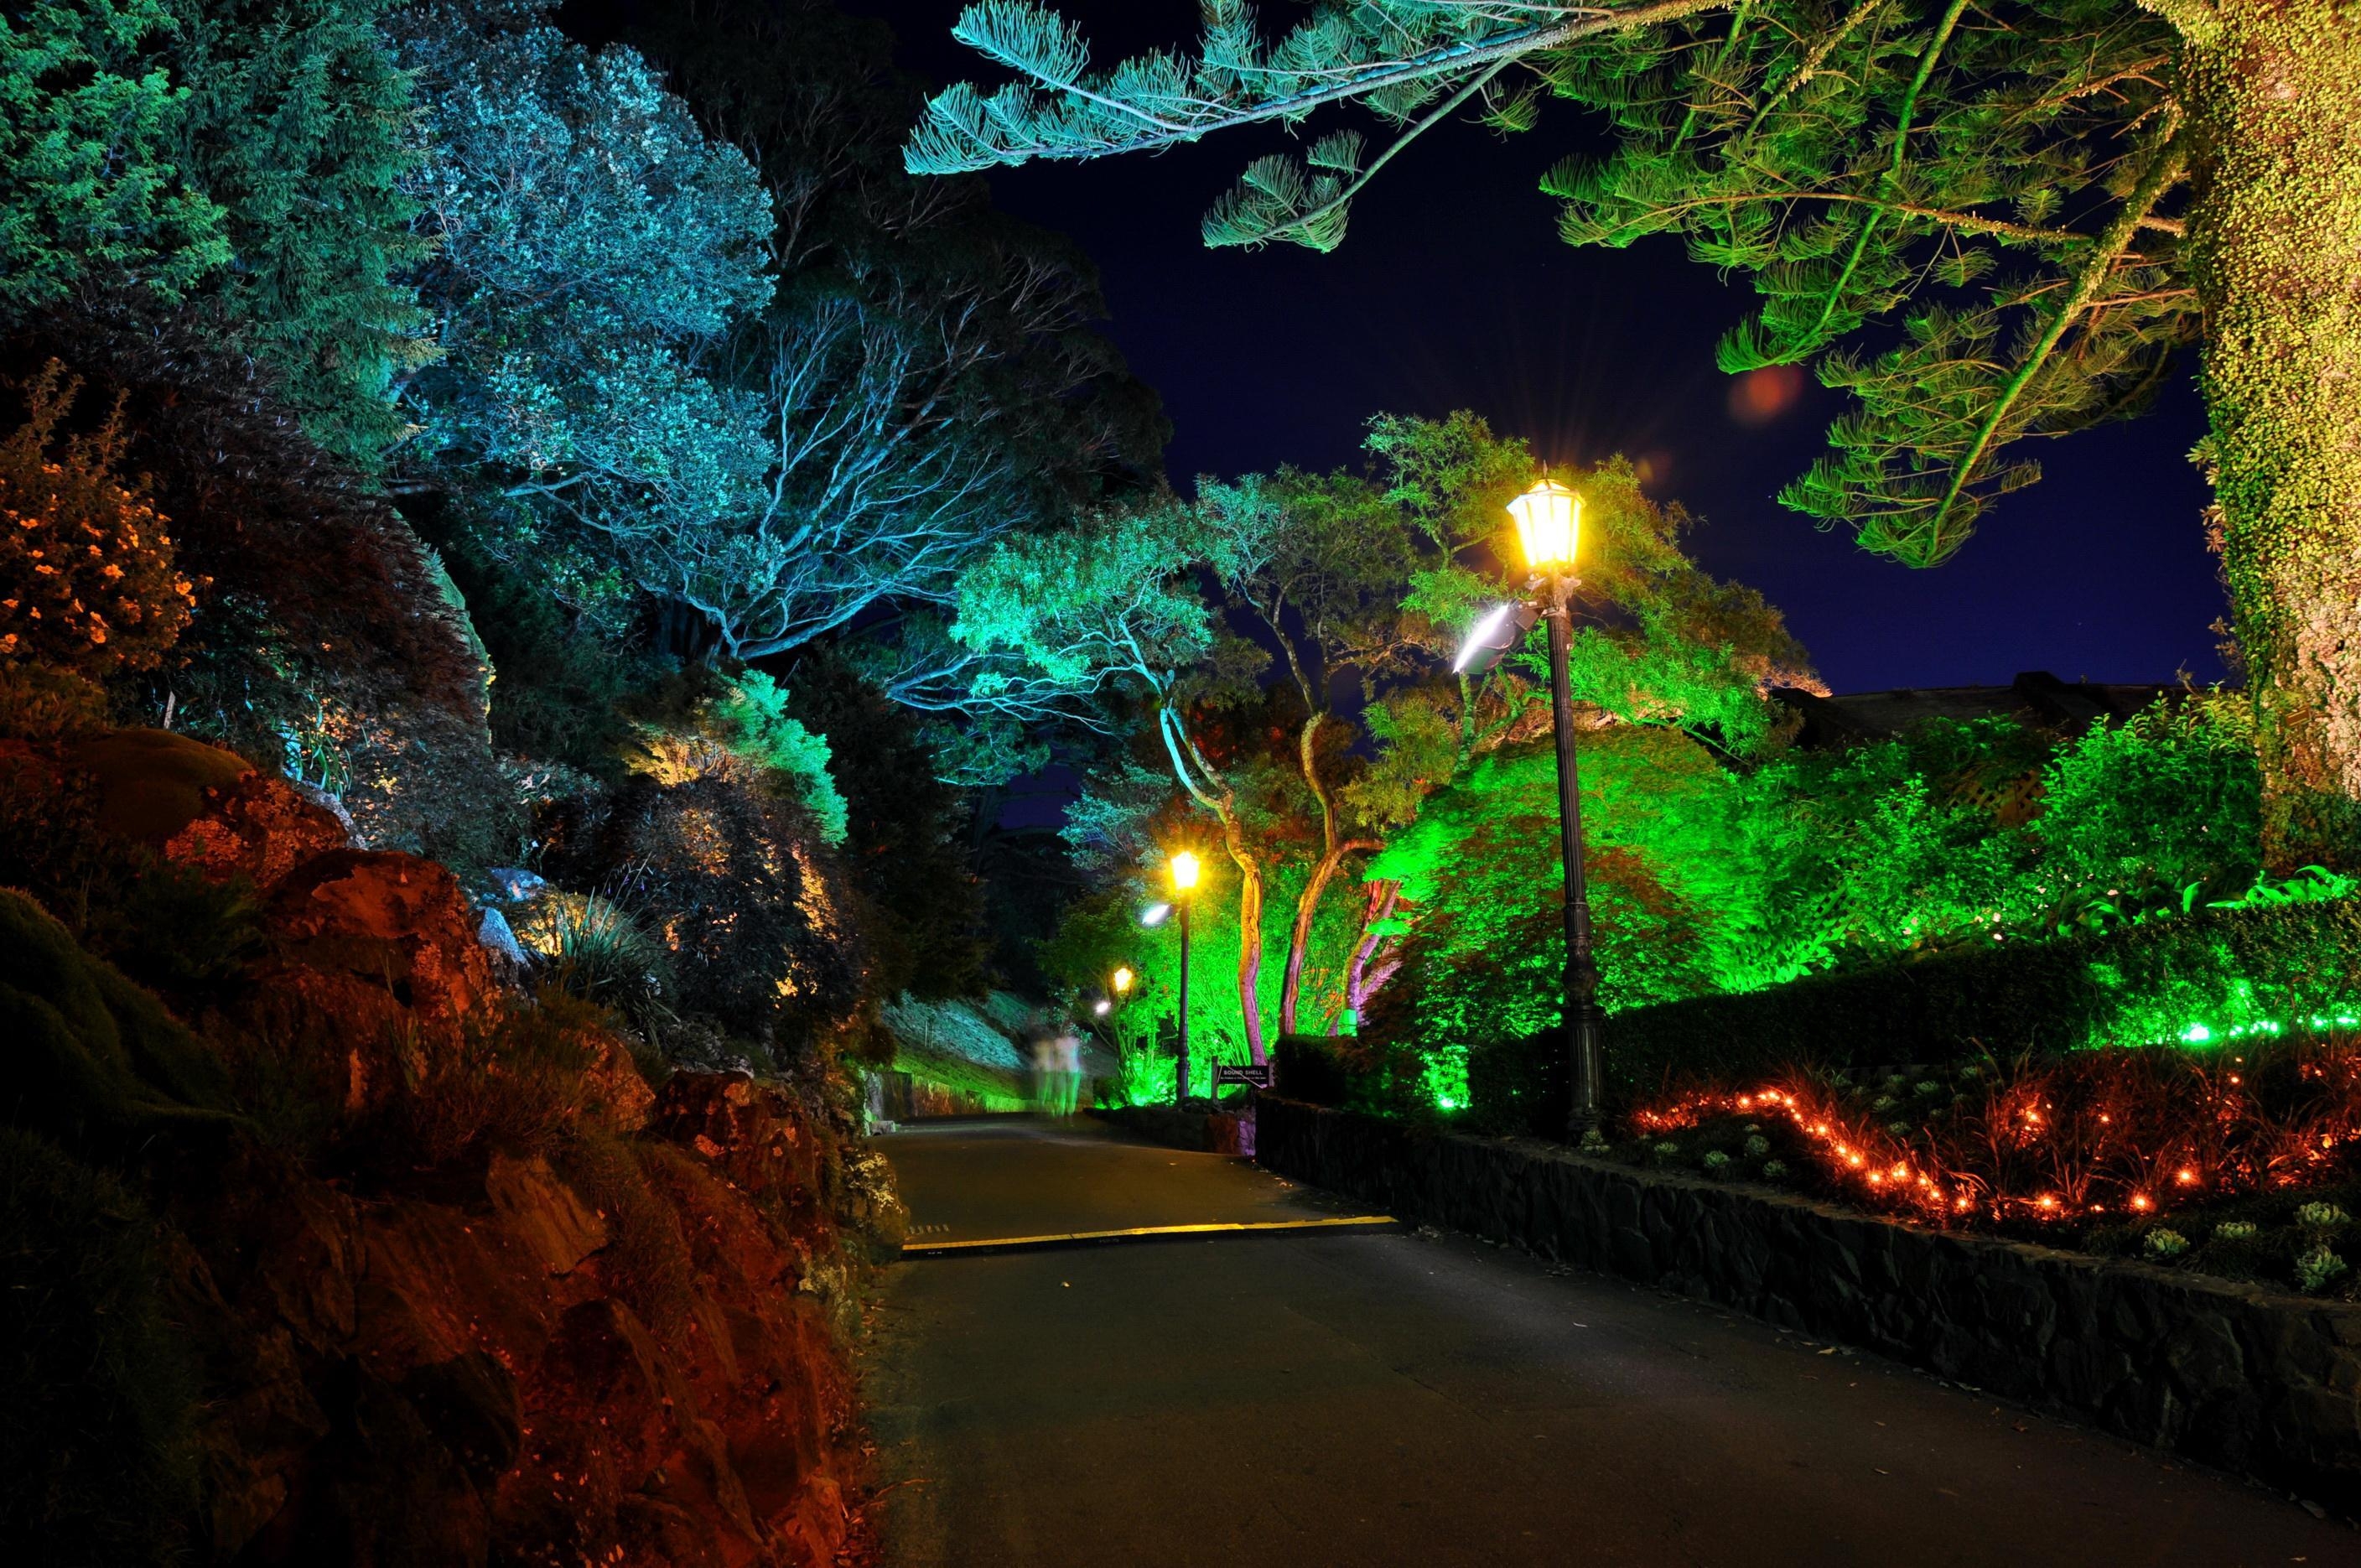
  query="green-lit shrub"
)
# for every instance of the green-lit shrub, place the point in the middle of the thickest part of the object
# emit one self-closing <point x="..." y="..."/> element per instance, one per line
<point x="2215" y="976"/>
<point x="2174" y="794"/>
<point x="750" y="717"/>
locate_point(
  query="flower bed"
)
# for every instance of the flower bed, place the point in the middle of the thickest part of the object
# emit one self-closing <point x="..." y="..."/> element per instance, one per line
<point x="2237" y="1163"/>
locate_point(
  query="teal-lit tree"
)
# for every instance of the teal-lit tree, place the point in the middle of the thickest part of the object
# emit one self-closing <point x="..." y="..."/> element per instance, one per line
<point x="593" y="248"/>
<point x="1108" y="609"/>
<point x="1988" y="225"/>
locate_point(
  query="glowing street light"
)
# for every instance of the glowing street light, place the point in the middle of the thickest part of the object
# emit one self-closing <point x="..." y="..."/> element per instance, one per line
<point x="1549" y="524"/>
<point x="1123" y="978"/>
<point x="1101" y="1007"/>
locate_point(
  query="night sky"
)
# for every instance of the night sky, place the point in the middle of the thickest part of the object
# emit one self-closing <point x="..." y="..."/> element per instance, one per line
<point x="1451" y="290"/>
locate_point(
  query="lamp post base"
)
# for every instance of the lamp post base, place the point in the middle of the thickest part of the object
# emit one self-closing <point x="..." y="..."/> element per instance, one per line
<point x="1583" y="1114"/>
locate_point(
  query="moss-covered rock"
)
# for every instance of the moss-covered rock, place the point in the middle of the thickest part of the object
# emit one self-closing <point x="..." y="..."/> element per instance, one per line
<point x="90" y="1057"/>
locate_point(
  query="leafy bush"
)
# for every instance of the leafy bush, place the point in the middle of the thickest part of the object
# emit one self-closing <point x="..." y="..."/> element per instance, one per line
<point x="321" y="631"/>
<point x="725" y="873"/>
<point x="750" y="717"/>
<point x="87" y="575"/>
<point x="2213" y="977"/>
<point x="40" y="703"/>
<point x="2174" y="794"/>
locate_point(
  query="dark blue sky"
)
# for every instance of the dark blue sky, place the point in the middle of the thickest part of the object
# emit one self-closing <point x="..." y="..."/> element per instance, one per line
<point x="1453" y="290"/>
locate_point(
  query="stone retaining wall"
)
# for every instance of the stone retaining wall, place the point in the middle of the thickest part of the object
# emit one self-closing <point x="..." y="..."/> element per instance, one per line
<point x="2227" y="1373"/>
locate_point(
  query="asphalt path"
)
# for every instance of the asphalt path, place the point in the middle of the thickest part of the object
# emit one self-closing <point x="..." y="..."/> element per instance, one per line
<point x="1298" y="1399"/>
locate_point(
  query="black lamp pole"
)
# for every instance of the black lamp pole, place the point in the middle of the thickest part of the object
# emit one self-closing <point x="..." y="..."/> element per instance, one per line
<point x="1180" y="1095"/>
<point x="1581" y="1007"/>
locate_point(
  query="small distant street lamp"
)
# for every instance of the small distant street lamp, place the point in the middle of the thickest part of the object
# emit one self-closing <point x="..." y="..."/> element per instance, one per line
<point x="1184" y="887"/>
<point x="1549" y="526"/>
<point x="1122" y="980"/>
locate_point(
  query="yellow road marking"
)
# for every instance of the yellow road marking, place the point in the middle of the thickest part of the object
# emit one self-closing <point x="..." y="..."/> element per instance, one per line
<point x="910" y="1248"/>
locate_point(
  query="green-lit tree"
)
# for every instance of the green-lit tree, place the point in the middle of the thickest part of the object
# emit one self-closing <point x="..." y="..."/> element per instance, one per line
<point x="1989" y="224"/>
<point x="300" y="125"/>
<point x="239" y="155"/>
<point x="1658" y="642"/>
<point x="91" y="119"/>
<point x="1321" y="562"/>
<point x="1107" y="609"/>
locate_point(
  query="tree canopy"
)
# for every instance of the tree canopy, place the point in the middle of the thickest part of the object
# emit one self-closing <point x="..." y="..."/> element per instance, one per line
<point x="1989" y="226"/>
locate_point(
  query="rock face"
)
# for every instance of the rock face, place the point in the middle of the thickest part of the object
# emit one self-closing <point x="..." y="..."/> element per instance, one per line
<point x="201" y="806"/>
<point x="2226" y="1373"/>
<point x="490" y="1373"/>
<point x="484" y="1296"/>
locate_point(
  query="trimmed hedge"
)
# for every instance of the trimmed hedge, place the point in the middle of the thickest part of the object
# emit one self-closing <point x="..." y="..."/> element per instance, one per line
<point x="2232" y="972"/>
<point x="1309" y="1068"/>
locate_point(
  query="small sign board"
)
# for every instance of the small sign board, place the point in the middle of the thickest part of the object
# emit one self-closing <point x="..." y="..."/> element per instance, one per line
<point x="1253" y="1075"/>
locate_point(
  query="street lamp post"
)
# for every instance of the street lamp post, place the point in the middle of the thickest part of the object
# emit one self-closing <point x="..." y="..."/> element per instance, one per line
<point x="1549" y="521"/>
<point x="1184" y="885"/>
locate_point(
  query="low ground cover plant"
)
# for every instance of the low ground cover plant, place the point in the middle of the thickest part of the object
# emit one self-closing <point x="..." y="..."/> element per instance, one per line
<point x="2243" y="1163"/>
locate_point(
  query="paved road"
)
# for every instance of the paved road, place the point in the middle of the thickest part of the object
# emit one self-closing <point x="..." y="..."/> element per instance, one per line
<point x="1304" y="1399"/>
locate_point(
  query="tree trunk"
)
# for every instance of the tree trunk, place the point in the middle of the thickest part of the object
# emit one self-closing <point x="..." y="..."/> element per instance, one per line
<point x="1217" y="797"/>
<point x="1360" y="983"/>
<point x="1249" y="926"/>
<point x="1332" y="855"/>
<point x="2274" y="92"/>
<point x="1307" y="905"/>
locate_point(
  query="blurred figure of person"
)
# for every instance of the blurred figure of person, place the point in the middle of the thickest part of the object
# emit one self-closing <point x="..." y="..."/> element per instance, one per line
<point x="1068" y="1049"/>
<point x="1041" y="1050"/>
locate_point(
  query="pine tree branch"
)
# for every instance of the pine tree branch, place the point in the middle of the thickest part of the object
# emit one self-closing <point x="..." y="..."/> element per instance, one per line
<point x="1162" y="131"/>
<point x="2158" y="177"/>
<point x="1893" y="174"/>
<point x="1813" y="61"/>
<point x="1968" y="222"/>
<point x="1306" y="224"/>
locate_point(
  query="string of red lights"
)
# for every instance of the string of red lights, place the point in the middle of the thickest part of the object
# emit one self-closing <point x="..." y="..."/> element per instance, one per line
<point x="2100" y="1133"/>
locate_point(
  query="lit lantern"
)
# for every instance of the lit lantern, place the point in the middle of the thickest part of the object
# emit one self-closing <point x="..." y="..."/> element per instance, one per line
<point x="1549" y="521"/>
<point x="1122" y="980"/>
<point x="1184" y="872"/>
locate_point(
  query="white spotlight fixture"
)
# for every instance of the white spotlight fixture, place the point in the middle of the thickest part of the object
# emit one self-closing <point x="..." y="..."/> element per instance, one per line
<point x="1496" y="632"/>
